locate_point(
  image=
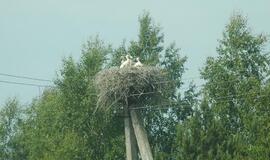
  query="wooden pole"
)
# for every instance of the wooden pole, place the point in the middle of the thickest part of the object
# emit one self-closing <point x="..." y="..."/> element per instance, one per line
<point x="130" y="140"/>
<point x="141" y="136"/>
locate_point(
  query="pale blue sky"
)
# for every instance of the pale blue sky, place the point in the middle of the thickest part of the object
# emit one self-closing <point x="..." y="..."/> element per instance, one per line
<point x="35" y="35"/>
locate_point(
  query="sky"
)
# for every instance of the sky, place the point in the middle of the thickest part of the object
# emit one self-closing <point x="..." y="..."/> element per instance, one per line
<point x="35" y="35"/>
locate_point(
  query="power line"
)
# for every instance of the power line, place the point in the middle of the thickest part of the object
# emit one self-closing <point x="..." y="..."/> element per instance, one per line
<point x="26" y="84"/>
<point x="25" y="77"/>
<point x="168" y="81"/>
<point x="163" y="106"/>
<point x="47" y="80"/>
<point x="136" y="94"/>
<point x="230" y="97"/>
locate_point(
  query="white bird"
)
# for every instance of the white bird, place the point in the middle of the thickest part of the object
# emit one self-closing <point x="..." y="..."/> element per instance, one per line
<point x="122" y="59"/>
<point x="130" y="62"/>
<point x="122" y="63"/>
<point x="138" y="63"/>
<point x="127" y="62"/>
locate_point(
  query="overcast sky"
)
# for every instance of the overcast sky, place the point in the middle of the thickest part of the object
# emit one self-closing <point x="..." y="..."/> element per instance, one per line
<point x="36" y="35"/>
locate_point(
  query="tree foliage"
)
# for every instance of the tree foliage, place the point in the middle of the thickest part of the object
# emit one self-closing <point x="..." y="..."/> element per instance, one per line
<point x="227" y="124"/>
<point x="11" y="117"/>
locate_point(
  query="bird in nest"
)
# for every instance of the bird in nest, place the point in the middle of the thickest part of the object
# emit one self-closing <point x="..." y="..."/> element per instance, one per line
<point x="127" y="62"/>
<point x="138" y="63"/>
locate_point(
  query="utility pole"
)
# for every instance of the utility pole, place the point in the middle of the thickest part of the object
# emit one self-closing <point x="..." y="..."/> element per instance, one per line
<point x="141" y="136"/>
<point x="130" y="139"/>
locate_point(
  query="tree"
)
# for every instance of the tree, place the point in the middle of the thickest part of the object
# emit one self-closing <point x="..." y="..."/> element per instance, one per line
<point x="233" y="92"/>
<point x="61" y="124"/>
<point x="10" y="123"/>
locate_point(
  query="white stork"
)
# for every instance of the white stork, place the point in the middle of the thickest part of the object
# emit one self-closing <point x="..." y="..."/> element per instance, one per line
<point x="122" y="59"/>
<point x="138" y="63"/>
<point x="127" y="62"/>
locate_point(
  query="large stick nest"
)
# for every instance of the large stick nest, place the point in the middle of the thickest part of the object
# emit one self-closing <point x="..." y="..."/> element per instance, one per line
<point x="144" y="85"/>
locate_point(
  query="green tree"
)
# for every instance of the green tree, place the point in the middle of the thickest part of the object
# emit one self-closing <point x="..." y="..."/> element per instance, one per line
<point x="10" y="123"/>
<point x="61" y="124"/>
<point x="234" y="89"/>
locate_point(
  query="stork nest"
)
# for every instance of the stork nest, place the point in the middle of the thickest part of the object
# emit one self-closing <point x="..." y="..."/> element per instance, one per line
<point x="144" y="85"/>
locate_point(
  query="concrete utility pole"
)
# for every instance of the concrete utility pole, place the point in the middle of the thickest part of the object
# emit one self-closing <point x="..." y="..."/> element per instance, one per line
<point x="130" y="139"/>
<point x="133" y="124"/>
<point x="141" y="136"/>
